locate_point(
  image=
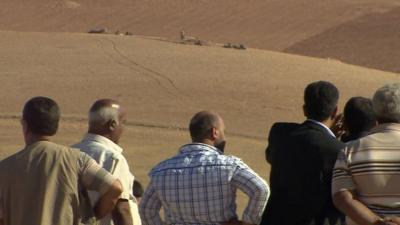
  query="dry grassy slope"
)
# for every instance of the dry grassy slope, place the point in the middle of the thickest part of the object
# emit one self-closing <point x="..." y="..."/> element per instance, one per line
<point x="162" y="84"/>
<point x="338" y="29"/>
<point x="372" y="41"/>
<point x="268" y="24"/>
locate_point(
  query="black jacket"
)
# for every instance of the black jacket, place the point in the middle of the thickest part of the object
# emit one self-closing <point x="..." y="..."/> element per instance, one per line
<point x="302" y="157"/>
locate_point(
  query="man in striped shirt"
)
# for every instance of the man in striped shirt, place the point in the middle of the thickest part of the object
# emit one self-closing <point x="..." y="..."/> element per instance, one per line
<point x="366" y="179"/>
<point x="198" y="185"/>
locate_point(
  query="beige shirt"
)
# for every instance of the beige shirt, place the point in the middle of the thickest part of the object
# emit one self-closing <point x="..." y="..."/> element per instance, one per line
<point x="109" y="156"/>
<point x="371" y="167"/>
<point x="39" y="184"/>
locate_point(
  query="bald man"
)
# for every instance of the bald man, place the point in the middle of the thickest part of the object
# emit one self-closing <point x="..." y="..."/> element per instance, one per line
<point x="198" y="185"/>
<point x="106" y="125"/>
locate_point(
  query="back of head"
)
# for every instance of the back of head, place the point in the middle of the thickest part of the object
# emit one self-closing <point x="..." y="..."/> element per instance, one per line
<point x="41" y="115"/>
<point x="359" y="115"/>
<point x="103" y="111"/>
<point x="320" y="100"/>
<point x="386" y="103"/>
<point x="201" y="125"/>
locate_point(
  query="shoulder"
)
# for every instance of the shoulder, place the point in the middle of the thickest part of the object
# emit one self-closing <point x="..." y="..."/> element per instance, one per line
<point x="70" y="154"/>
<point x="172" y="162"/>
<point x="323" y="141"/>
<point x="97" y="150"/>
<point x="7" y="162"/>
<point x="284" y="127"/>
<point x="313" y="138"/>
<point x="54" y="148"/>
<point x="360" y="144"/>
<point x="282" y="130"/>
<point x="235" y="162"/>
<point x="181" y="162"/>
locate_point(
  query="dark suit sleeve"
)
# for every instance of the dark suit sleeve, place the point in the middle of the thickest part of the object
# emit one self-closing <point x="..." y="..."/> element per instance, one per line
<point x="329" y="154"/>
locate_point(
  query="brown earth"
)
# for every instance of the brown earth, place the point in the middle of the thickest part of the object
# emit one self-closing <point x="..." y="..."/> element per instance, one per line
<point x="362" y="32"/>
<point x="371" y="40"/>
<point x="162" y="84"/>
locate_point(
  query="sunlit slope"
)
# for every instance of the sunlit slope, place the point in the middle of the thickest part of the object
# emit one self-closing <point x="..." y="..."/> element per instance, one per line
<point x="361" y="32"/>
<point x="162" y="84"/>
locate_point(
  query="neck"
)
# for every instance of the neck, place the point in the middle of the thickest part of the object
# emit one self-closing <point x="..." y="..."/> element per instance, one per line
<point x="35" y="138"/>
<point x="205" y="141"/>
<point x="101" y="133"/>
<point x="327" y="123"/>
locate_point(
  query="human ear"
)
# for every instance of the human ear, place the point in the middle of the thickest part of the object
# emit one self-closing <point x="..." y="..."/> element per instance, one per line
<point x="24" y="125"/>
<point x="304" y="111"/>
<point x="112" y="125"/>
<point x="214" y="133"/>
<point x="334" y="113"/>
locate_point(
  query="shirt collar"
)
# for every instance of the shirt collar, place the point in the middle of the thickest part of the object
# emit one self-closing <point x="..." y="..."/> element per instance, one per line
<point x="196" y="146"/>
<point x="324" y="126"/>
<point x="102" y="140"/>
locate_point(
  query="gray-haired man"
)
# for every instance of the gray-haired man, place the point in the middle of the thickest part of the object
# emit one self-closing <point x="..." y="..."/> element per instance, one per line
<point x="106" y="125"/>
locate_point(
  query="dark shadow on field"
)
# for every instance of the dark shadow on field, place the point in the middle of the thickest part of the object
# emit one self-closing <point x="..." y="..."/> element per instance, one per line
<point x="371" y="41"/>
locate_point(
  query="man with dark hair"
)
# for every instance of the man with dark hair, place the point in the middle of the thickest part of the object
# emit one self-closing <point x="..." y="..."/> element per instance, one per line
<point x="358" y="118"/>
<point x="41" y="184"/>
<point x="302" y="157"/>
<point x="42" y="116"/>
<point x="320" y="100"/>
<point x="198" y="185"/>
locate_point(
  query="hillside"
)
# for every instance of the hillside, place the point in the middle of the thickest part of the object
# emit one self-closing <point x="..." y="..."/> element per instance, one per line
<point x="359" y="32"/>
<point x="162" y="84"/>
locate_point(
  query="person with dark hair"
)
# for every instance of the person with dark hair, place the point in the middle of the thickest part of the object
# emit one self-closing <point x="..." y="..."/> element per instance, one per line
<point x="302" y="157"/>
<point x="366" y="178"/>
<point x="107" y="119"/>
<point x="198" y="185"/>
<point x="41" y="184"/>
<point x="358" y="118"/>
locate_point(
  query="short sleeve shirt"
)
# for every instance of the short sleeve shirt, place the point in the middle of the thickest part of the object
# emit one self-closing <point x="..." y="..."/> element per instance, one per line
<point x="109" y="156"/>
<point x="45" y="173"/>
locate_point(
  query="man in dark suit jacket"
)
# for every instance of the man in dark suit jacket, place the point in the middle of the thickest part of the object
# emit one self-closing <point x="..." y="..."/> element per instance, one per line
<point x="302" y="157"/>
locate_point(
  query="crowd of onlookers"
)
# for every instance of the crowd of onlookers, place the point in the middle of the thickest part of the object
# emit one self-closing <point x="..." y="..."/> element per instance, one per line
<point x="332" y="169"/>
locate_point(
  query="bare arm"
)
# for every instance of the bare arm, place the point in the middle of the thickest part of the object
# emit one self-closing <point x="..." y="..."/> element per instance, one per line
<point x="108" y="200"/>
<point x="357" y="211"/>
<point x="394" y="220"/>
<point x="95" y="178"/>
<point x="121" y="214"/>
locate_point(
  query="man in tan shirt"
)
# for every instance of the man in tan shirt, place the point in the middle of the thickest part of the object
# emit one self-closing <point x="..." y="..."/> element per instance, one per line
<point x="41" y="184"/>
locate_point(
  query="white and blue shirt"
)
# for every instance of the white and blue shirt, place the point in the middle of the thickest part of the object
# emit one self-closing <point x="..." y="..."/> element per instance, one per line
<point x="198" y="186"/>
